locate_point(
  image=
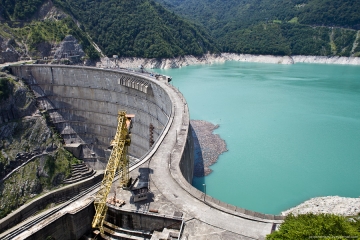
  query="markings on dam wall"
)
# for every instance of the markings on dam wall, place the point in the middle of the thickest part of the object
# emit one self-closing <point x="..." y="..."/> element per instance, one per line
<point x="40" y="94"/>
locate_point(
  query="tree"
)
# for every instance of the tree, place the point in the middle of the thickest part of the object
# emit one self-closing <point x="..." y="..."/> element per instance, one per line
<point x="306" y="226"/>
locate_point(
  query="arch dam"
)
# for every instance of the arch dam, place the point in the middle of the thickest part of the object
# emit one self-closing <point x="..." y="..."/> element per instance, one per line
<point x="83" y="103"/>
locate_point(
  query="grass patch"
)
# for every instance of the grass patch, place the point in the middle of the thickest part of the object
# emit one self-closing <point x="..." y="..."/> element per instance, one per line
<point x="325" y="226"/>
<point x="35" y="179"/>
<point x="294" y="20"/>
<point x="50" y="32"/>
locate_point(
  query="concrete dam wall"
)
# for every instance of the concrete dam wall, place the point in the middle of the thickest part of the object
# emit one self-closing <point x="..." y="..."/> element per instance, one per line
<point x="83" y="104"/>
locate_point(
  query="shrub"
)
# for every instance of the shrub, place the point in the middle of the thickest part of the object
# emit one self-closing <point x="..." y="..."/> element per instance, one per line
<point x="307" y="226"/>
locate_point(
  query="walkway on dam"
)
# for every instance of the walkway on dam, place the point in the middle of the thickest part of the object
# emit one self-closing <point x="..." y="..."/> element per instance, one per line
<point x="166" y="183"/>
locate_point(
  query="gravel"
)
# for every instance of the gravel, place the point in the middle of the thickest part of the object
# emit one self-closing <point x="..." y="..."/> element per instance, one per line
<point x="208" y="146"/>
<point x="332" y="204"/>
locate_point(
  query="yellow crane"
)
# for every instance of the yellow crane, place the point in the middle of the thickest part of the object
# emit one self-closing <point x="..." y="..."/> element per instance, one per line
<point x="118" y="159"/>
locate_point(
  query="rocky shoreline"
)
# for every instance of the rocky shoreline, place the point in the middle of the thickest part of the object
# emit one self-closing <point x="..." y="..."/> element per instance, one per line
<point x="331" y="204"/>
<point x="182" y="61"/>
<point x="208" y="146"/>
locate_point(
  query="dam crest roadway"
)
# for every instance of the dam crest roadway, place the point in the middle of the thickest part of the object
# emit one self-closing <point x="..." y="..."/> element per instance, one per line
<point x="83" y="103"/>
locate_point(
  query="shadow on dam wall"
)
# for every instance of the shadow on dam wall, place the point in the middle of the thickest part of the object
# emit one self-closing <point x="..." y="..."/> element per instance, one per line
<point x="83" y="104"/>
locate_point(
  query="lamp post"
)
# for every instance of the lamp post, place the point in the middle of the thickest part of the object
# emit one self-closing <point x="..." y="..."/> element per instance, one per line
<point x="204" y="191"/>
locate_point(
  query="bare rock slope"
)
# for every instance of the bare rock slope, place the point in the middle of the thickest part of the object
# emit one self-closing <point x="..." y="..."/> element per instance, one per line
<point x="331" y="204"/>
<point x="208" y="146"/>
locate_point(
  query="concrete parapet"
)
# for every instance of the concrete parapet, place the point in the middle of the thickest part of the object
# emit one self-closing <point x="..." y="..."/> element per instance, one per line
<point x="240" y="210"/>
<point x="279" y="217"/>
<point x="72" y="225"/>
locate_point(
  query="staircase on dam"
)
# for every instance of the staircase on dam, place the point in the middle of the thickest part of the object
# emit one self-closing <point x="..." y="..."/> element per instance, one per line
<point x="112" y="231"/>
<point x="79" y="172"/>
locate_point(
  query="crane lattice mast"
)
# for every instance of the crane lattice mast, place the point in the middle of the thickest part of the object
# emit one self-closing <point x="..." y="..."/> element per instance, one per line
<point x="118" y="159"/>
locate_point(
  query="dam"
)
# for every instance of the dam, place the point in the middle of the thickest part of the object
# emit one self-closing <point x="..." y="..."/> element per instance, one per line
<point x="83" y="103"/>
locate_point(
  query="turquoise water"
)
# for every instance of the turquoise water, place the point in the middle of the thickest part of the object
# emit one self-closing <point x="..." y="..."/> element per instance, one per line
<point x="292" y="131"/>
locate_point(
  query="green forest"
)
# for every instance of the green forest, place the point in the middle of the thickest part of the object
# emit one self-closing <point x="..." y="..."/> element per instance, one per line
<point x="290" y="39"/>
<point x="170" y="28"/>
<point x="217" y="14"/>
<point x="19" y="10"/>
<point x="138" y="28"/>
<point x="279" y="27"/>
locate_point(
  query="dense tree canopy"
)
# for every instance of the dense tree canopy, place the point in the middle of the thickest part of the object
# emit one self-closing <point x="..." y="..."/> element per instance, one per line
<point x="324" y="226"/>
<point x="143" y="28"/>
<point x="278" y="27"/>
<point x="19" y="9"/>
<point x="216" y="14"/>
<point x="289" y="39"/>
<point x="140" y="28"/>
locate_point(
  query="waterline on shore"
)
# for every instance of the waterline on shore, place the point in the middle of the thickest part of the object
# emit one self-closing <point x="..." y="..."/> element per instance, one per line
<point x="182" y="61"/>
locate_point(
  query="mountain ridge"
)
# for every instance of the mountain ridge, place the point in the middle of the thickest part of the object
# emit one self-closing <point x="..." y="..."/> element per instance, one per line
<point x="279" y="27"/>
<point x="144" y="28"/>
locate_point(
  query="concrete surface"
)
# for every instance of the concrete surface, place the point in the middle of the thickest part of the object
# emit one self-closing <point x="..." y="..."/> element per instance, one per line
<point x="87" y="100"/>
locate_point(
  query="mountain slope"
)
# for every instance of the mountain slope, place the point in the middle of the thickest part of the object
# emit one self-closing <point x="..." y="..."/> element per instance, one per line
<point x="26" y="137"/>
<point x="34" y="29"/>
<point x="279" y="27"/>
<point x="215" y="14"/>
<point x="19" y="9"/>
<point x="139" y="28"/>
<point x="143" y="28"/>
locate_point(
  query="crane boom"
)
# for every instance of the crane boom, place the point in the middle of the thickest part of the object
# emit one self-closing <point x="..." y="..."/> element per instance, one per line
<point x="118" y="157"/>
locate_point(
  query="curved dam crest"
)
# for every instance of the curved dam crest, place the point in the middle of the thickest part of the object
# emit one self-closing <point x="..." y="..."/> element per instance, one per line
<point x="83" y="104"/>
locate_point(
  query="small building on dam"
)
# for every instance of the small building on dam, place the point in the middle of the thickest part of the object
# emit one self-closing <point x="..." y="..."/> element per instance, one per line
<point x="83" y="103"/>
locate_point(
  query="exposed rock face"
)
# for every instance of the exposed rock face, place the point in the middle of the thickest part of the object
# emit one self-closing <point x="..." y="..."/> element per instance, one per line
<point x="43" y="49"/>
<point x="49" y="11"/>
<point x="22" y="132"/>
<point x="331" y="204"/>
<point x="7" y="51"/>
<point x="11" y="51"/>
<point x="191" y="60"/>
<point x="327" y="60"/>
<point x="19" y="104"/>
<point x="208" y="146"/>
<point x="32" y="159"/>
<point x="178" y="62"/>
<point x="69" y="48"/>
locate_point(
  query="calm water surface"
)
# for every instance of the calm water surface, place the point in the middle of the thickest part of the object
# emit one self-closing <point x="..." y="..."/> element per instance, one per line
<point x="293" y="131"/>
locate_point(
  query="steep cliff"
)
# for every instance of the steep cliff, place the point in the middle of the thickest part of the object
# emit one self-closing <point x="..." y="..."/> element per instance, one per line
<point x="32" y="159"/>
<point x="39" y="31"/>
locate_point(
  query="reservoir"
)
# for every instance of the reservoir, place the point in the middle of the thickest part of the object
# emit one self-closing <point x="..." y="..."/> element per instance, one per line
<point x="292" y="131"/>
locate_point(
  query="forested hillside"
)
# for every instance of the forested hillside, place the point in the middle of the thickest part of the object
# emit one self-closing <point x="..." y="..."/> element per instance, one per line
<point x="139" y="28"/>
<point x="34" y="29"/>
<point x="19" y="9"/>
<point x="35" y="39"/>
<point x="170" y="28"/>
<point x="216" y="14"/>
<point x="291" y="39"/>
<point x="277" y="26"/>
